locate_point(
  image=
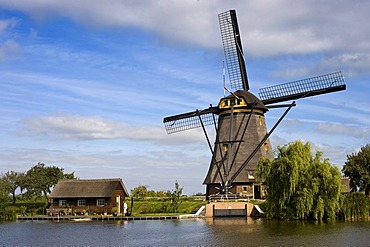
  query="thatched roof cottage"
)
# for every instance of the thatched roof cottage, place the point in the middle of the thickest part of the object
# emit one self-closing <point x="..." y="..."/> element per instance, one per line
<point x="89" y="195"/>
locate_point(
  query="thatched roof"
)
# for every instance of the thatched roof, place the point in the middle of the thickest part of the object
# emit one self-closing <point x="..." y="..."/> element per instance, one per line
<point x="87" y="188"/>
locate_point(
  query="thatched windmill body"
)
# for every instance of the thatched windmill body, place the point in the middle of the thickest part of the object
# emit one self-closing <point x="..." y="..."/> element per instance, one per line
<point x="242" y="138"/>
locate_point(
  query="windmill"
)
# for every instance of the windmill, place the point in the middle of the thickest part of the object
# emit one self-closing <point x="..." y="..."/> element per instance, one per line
<point x="242" y="138"/>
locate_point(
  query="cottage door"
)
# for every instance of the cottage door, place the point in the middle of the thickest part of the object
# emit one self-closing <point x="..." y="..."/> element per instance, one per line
<point x="118" y="204"/>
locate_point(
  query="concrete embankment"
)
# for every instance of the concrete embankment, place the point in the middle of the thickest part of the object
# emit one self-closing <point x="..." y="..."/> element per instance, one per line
<point x="230" y="209"/>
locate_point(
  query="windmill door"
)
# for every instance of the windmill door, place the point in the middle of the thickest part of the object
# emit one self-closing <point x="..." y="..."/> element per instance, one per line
<point x="257" y="191"/>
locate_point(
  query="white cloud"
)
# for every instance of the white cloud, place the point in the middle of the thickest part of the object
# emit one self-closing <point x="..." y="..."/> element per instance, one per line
<point x="289" y="25"/>
<point x="286" y="28"/>
<point x="285" y="42"/>
<point x="356" y="131"/>
<point x="77" y="127"/>
<point x="355" y="63"/>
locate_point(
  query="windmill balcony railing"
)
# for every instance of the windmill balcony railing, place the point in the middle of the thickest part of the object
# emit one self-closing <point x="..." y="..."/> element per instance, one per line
<point x="219" y="197"/>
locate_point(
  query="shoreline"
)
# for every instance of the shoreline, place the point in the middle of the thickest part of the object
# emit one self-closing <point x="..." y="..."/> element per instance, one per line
<point x="94" y="218"/>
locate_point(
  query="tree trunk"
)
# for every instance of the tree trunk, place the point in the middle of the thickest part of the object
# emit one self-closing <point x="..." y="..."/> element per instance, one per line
<point x="14" y="198"/>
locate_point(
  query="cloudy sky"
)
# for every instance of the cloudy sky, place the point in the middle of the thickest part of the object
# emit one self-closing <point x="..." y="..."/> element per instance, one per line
<point x="85" y="84"/>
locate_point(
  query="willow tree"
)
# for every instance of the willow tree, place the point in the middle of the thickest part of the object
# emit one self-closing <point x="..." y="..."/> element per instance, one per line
<point x="300" y="184"/>
<point x="355" y="205"/>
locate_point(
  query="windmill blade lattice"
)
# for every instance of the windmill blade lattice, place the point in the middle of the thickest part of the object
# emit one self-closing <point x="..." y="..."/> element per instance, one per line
<point x="190" y="120"/>
<point x="303" y="88"/>
<point x="233" y="50"/>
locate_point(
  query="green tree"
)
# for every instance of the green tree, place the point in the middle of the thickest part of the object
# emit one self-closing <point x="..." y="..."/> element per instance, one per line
<point x="4" y="192"/>
<point x="11" y="181"/>
<point x="300" y="185"/>
<point x="40" y="179"/>
<point x="175" y="197"/>
<point x="357" y="168"/>
<point x="163" y="193"/>
<point x="140" y="191"/>
<point x="355" y="205"/>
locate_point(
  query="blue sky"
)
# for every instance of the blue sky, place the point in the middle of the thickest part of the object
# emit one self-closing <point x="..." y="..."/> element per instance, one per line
<point x="85" y="85"/>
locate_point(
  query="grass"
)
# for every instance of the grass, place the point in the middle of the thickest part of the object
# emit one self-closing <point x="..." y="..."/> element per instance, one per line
<point x="163" y="207"/>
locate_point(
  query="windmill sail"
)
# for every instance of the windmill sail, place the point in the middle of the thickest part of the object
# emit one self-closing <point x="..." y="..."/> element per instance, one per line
<point x="322" y="84"/>
<point x="189" y="120"/>
<point x="233" y="50"/>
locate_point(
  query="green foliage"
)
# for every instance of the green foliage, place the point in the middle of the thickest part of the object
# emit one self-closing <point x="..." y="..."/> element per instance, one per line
<point x="4" y="192"/>
<point x="300" y="185"/>
<point x="9" y="211"/>
<point x="40" y="179"/>
<point x="37" y="181"/>
<point x="161" y="202"/>
<point x="10" y="181"/>
<point x="263" y="169"/>
<point x="355" y="205"/>
<point x="357" y="168"/>
<point x="175" y="197"/>
<point x="141" y="192"/>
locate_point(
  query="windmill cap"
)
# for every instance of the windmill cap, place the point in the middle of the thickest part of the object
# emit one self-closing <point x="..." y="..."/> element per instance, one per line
<point x="249" y="98"/>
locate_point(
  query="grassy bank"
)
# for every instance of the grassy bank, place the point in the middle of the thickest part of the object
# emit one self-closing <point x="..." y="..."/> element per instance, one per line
<point x="141" y="207"/>
<point x="162" y="206"/>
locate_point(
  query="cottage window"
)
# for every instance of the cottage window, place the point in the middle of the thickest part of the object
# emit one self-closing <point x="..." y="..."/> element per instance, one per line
<point x="81" y="202"/>
<point x="100" y="202"/>
<point x="62" y="203"/>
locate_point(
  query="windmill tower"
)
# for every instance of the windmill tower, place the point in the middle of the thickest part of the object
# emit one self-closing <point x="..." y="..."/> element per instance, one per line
<point x="242" y="138"/>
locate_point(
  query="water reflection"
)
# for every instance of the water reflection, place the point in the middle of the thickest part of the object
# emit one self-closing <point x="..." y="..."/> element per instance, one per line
<point x="234" y="221"/>
<point x="194" y="232"/>
<point x="261" y="232"/>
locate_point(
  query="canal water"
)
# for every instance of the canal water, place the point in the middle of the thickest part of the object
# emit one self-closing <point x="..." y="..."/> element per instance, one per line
<point x="192" y="232"/>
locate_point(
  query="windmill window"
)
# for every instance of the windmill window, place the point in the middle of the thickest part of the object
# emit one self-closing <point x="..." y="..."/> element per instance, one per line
<point x="232" y="102"/>
<point x="226" y="102"/>
<point x="261" y="121"/>
<point x="266" y="146"/>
